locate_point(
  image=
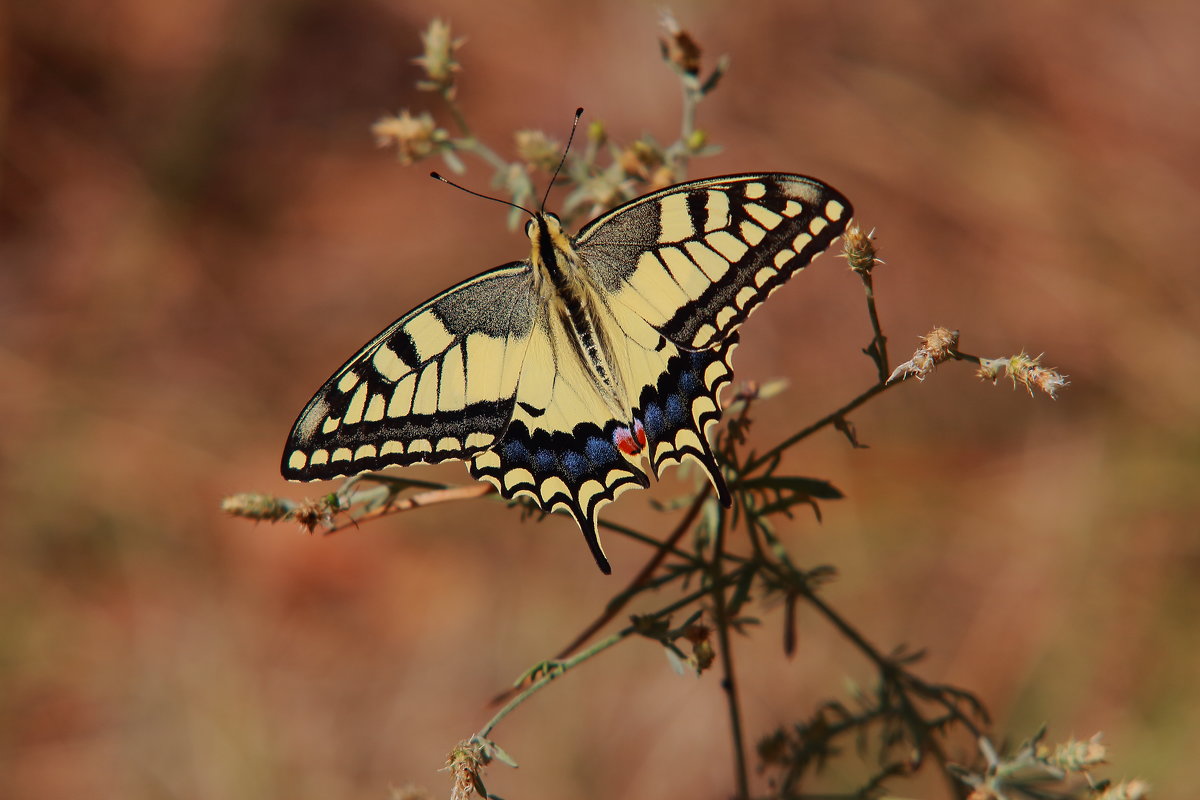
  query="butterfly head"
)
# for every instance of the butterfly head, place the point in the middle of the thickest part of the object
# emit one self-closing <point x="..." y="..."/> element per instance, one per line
<point x="552" y="249"/>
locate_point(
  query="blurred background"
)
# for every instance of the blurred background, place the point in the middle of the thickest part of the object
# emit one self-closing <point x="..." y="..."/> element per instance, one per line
<point x="196" y="228"/>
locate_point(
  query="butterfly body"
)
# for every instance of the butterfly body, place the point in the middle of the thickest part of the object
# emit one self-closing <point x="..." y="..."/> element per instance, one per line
<point x="555" y="377"/>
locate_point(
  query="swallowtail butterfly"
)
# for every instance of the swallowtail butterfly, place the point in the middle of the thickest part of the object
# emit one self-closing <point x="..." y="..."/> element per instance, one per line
<point x="554" y="377"/>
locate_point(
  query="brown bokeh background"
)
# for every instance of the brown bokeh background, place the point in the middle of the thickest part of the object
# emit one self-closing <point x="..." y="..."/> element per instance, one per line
<point x="196" y="228"/>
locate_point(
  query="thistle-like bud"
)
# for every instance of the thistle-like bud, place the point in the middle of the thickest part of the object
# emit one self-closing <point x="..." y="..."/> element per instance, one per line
<point x="1027" y="371"/>
<point x="256" y="506"/>
<point x="415" y="138"/>
<point x="859" y="249"/>
<point x="465" y="763"/>
<point x="538" y="150"/>
<point x="936" y="346"/>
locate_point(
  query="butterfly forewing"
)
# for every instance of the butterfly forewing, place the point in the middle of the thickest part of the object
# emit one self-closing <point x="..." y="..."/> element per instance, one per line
<point x="438" y="384"/>
<point x="695" y="259"/>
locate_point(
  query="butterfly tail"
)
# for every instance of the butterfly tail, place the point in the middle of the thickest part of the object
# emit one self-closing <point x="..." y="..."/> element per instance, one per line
<point x="588" y="526"/>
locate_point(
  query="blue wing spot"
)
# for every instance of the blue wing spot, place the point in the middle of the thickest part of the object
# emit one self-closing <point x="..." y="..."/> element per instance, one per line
<point x="690" y="385"/>
<point x="544" y="460"/>
<point x="516" y="451"/>
<point x="676" y="411"/>
<point x="600" y="451"/>
<point x="575" y="465"/>
<point x="652" y="420"/>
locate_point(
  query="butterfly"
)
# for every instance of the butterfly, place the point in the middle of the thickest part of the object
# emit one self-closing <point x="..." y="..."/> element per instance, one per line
<point x="558" y="377"/>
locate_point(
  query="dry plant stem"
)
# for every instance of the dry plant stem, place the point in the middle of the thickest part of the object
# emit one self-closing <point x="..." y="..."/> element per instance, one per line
<point x="877" y="350"/>
<point x="554" y="669"/>
<point x="548" y="675"/>
<point x="643" y="575"/>
<point x="829" y="419"/>
<point x="890" y="670"/>
<point x="687" y="126"/>
<point x="420" y="500"/>
<point x="958" y="356"/>
<point x="729" y="681"/>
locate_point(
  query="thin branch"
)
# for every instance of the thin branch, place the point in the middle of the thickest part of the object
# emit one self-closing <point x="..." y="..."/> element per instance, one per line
<point x="552" y="669"/>
<point x="729" y="681"/>
<point x="877" y="350"/>
<point x="420" y="500"/>
<point x="829" y="419"/>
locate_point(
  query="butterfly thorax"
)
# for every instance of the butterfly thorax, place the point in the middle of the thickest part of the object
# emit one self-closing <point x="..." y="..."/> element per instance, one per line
<point x="572" y="300"/>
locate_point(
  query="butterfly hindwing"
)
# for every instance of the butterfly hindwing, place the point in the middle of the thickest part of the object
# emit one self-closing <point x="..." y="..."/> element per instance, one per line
<point x="582" y="469"/>
<point x="696" y="258"/>
<point x="438" y="384"/>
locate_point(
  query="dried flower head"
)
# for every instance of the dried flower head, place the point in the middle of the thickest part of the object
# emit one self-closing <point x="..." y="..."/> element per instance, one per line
<point x="538" y="150"/>
<point x="256" y="506"/>
<point x="1076" y="756"/>
<point x="315" y="511"/>
<point x="1027" y="371"/>
<point x="465" y="763"/>
<point x="858" y="247"/>
<point x="679" y="49"/>
<point x="641" y="158"/>
<point x="414" y="137"/>
<point x="936" y="346"/>
<point x="438" y="58"/>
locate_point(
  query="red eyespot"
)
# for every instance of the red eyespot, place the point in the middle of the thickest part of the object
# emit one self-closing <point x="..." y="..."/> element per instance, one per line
<point x="630" y="442"/>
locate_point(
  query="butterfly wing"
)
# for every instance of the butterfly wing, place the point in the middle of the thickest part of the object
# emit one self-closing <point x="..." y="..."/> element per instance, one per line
<point x="695" y="259"/>
<point x="566" y="449"/>
<point x="439" y="384"/>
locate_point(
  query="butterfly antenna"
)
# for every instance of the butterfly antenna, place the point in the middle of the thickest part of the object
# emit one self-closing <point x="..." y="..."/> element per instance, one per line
<point x="444" y="179"/>
<point x="563" y="160"/>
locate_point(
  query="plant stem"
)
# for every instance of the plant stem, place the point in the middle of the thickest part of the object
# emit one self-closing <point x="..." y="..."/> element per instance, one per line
<point x="729" y="681"/>
<point x="549" y="675"/>
<point x="892" y="672"/>
<point x="757" y="462"/>
<point x="622" y="599"/>
<point x="562" y="667"/>
<point x="878" y="347"/>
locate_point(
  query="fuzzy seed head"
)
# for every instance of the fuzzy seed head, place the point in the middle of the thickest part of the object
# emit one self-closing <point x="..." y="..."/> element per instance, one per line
<point x="438" y="58"/>
<point x="256" y="506"/>
<point x="464" y="764"/>
<point x="538" y="150"/>
<point x="414" y="138"/>
<point x="936" y="346"/>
